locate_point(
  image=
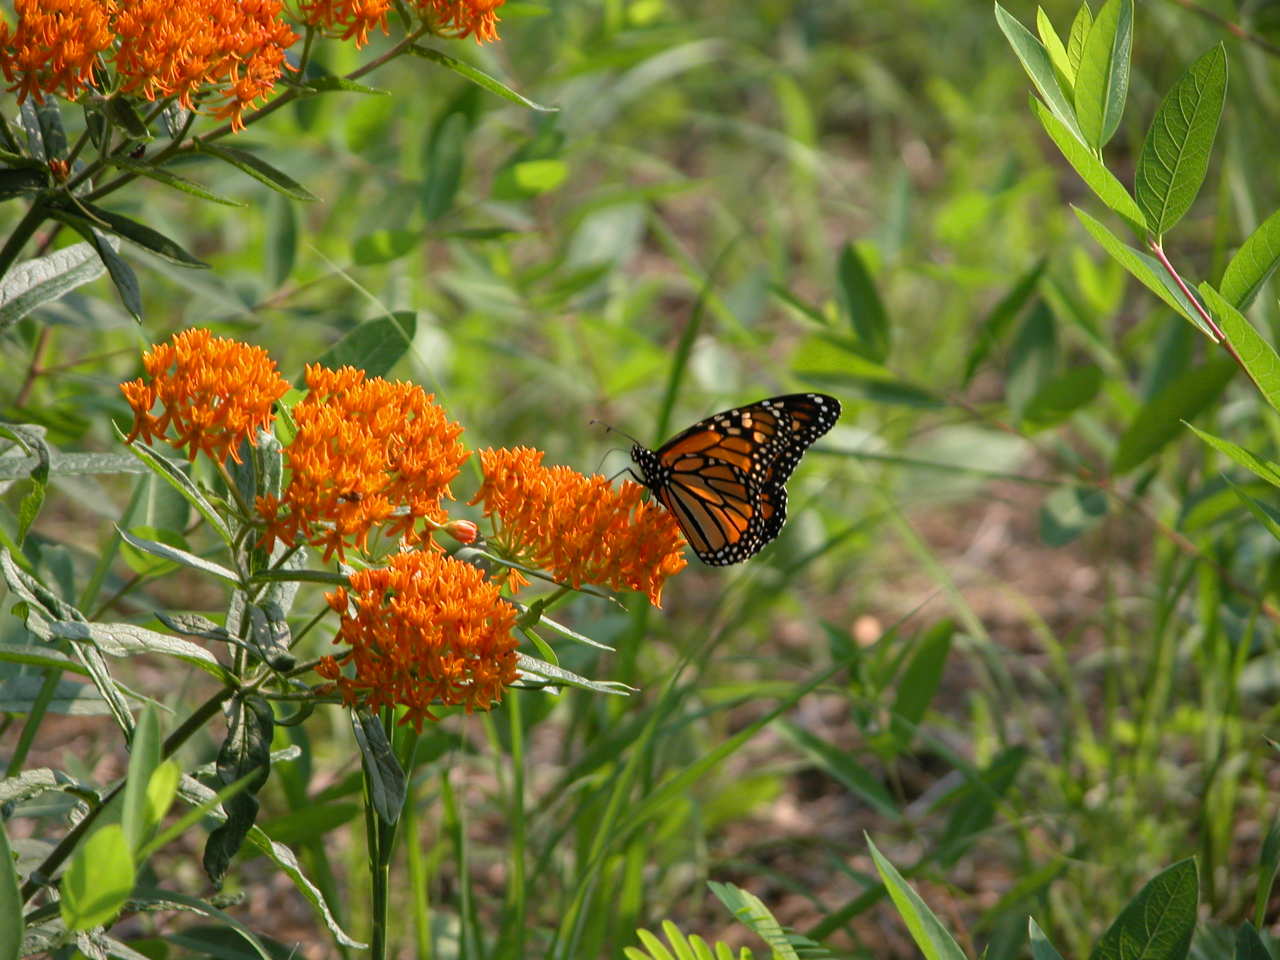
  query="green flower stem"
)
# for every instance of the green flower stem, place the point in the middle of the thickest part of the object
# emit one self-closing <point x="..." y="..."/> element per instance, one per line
<point x="381" y="838"/>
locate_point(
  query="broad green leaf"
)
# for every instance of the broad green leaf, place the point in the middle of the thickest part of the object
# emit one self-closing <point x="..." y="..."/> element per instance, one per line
<point x="1249" y="945"/>
<point x="1148" y="270"/>
<point x="1080" y="28"/>
<point x="11" y="922"/>
<point x="1069" y="512"/>
<point x="840" y="765"/>
<point x="257" y="168"/>
<point x="383" y="246"/>
<point x="375" y="346"/>
<point x="162" y="787"/>
<point x="1062" y="67"/>
<point x="1035" y="60"/>
<point x="1002" y="315"/>
<point x="920" y="679"/>
<point x="933" y="939"/>
<point x="1092" y="170"/>
<point x="144" y="757"/>
<point x="1060" y="397"/>
<point x="1268" y="470"/>
<point x="1041" y="948"/>
<point x="245" y="753"/>
<point x="1257" y="355"/>
<point x="1102" y="80"/>
<point x="1175" y="155"/>
<point x="99" y="879"/>
<point x="1249" y="269"/>
<point x="477" y="76"/>
<point x="1156" y="924"/>
<point x="33" y="283"/>
<point x="1160" y="419"/>
<point x="862" y="305"/>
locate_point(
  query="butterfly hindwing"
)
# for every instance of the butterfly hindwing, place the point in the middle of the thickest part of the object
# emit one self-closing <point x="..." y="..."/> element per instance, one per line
<point x="722" y="478"/>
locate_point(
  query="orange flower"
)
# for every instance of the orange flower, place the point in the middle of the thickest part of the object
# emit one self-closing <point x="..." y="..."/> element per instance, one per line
<point x="425" y="629"/>
<point x="367" y="452"/>
<point x="55" y="46"/>
<point x="464" y="17"/>
<point x="349" y="18"/>
<point x="580" y="528"/>
<point x="189" y="48"/>
<point x="213" y="392"/>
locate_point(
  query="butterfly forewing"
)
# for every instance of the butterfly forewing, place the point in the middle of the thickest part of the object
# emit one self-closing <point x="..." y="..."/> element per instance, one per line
<point x="722" y="478"/>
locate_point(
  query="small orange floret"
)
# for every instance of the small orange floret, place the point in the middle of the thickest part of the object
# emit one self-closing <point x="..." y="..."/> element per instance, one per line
<point x="368" y="451"/>
<point x="581" y="529"/>
<point x="55" y="46"/>
<point x="213" y="393"/>
<point x="464" y="18"/>
<point x="347" y="18"/>
<point x="425" y="629"/>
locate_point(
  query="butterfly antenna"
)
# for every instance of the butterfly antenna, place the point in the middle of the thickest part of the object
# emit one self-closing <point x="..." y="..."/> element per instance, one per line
<point x="610" y="428"/>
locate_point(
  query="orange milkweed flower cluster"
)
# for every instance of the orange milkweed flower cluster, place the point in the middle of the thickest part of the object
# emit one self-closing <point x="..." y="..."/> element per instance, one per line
<point x="213" y="393"/>
<point x="347" y="18"/>
<point x="230" y="50"/>
<point x="368" y="451"/>
<point x="582" y="529"/>
<point x="464" y="18"/>
<point x="424" y="629"/>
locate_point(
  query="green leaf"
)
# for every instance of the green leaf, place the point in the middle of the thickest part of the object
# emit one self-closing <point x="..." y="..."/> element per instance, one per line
<point x="384" y="246"/>
<point x="1080" y="28"/>
<point x="1157" y="924"/>
<point x="478" y="77"/>
<point x="269" y="633"/>
<point x="172" y="474"/>
<point x="144" y="757"/>
<point x="1091" y="170"/>
<point x="14" y="183"/>
<point x="446" y="155"/>
<point x="383" y="774"/>
<point x="926" y="929"/>
<point x="257" y="168"/>
<point x="122" y="275"/>
<point x="331" y="83"/>
<point x="1041" y="948"/>
<point x="150" y="240"/>
<point x="1249" y="945"/>
<point x="841" y="766"/>
<point x="162" y="787"/>
<point x="1035" y="60"/>
<point x="1069" y="512"/>
<point x="1268" y="864"/>
<point x="1148" y="270"/>
<point x="975" y="804"/>
<point x="11" y="922"/>
<point x="1175" y="155"/>
<point x="128" y="640"/>
<point x="1033" y="357"/>
<point x="246" y="752"/>
<point x="1060" y="397"/>
<point x="919" y="681"/>
<point x="375" y="346"/>
<point x="1102" y="79"/>
<point x="1262" y="511"/>
<point x="33" y="283"/>
<point x="170" y="179"/>
<point x="1249" y="269"/>
<point x="862" y="305"/>
<point x="1062" y="67"/>
<point x="1258" y="356"/>
<point x="174" y="554"/>
<point x="1002" y="315"/>
<point x="1160" y="419"/>
<point x="98" y="881"/>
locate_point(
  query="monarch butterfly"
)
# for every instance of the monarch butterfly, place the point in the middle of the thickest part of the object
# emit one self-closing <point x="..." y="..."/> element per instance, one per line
<point x="722" y="479"/>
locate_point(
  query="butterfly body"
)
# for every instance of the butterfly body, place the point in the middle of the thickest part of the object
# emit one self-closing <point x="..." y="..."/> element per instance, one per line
<point x="723" y="478"/>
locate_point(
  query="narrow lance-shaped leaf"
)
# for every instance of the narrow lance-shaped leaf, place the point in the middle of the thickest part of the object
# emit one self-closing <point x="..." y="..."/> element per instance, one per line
<point x="1062" y="67"/>
<point x="33" y="283"/>
<point x="1102" y="80"/>
<point x="1175" y="155"/>
<point x="1160" y="418"/>
<point x="122" y="275"/>
<point x="1080" y="28"/>
<point x="245" y="752"/>
<point x="1257" y="355"/>
<point x="1092" y="170"/>
<point x="933" y="939"/>
<point x="257" y="168"/>
<point x="862" y="304"/>
<point x="1249" y="269"/>
<point x="1035" y="60"/>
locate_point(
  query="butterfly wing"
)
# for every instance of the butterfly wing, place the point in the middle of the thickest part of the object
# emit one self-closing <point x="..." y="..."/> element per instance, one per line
<point x="722" y="478"/>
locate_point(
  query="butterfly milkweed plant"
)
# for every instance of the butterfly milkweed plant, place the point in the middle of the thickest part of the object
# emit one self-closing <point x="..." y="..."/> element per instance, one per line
<point x="326" y="516"/>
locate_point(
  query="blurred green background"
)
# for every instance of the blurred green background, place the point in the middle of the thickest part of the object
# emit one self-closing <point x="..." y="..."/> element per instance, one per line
<point x="1041" y="695"/>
